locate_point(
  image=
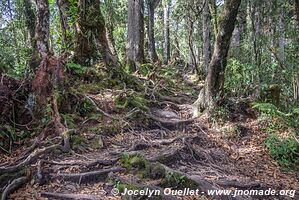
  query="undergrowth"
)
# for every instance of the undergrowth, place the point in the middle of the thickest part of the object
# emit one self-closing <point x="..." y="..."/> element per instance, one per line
<point x="282" y="128"/>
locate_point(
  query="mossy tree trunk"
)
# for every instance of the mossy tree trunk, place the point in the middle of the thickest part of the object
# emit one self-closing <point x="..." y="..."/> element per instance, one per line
<point x="206" y="36"/>
<point x="151" y="6"/>
<point x="135" y="46"/>
<point x="166" y="11"/>
<point x="63" y="8"/>
<point x="30" y="24"/>
<point x="91" y="42"/>
<point x="214" y="82"/>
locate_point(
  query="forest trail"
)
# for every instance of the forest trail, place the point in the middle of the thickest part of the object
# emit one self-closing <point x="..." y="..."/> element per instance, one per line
<point x="211" y="156"/>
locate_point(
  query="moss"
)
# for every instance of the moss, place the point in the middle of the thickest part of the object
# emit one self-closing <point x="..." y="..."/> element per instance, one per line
<point x="111" y="128"/>
<point x="146" y="69"/>
<point x="77" y="140"/>
<point x="96" y="143"/>
<point x="132" y="100"/>
<point x="157" y="171"/>
<point x="90" y="88"/>
<point x="134" y="162"/>
<point x="70" y="120"/>
<point x="175" y="180"/>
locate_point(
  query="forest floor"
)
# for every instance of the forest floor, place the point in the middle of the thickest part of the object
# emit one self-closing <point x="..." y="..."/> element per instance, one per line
<point x="166" y="148"/>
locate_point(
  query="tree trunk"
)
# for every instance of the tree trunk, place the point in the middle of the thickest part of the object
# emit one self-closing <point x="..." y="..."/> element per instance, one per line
<point x="42" y="28"/>
<point x="91" y="42"/>
<point x="151" y="5"/>
<point x="215" y="80"/>
<point x="256" y="37"/>
<point x="191" y="49"/>
<point x="282" y="36"/>
<point x="135" y="46"/>
<point x="206" y="22"/>
<point x="213" y="10"/>
<point x="30" y="23"/>
<point x="63" y="13"/>
<point x="166" y="32"/>
<point x="297" y="11"/>
<point x="110" y="27"/>
<point x="50" y="72"/>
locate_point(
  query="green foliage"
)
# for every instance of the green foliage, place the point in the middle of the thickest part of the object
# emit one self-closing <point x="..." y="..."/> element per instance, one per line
<point x="84" y="107"/>
<point x="9" y="136"/>
<point x="76" y="68"/>
<point x="146" y="69"/>
<point x="174" y="179"/>
<point x="134" y="162"/>
<point x="144" y="168"/>
<point x="288" y="118"/>
<point x="239" y="77"/>
<point x="285" y="151"/>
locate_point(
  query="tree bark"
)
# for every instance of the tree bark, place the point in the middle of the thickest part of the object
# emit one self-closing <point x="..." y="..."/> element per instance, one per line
<point x="110" y="27"/>
<point x="151" y="5"/>
<point x="214" y="82"/>
<point x="282" y="35"/>
<point x="42" y="29"/>
<point x="91" y="42"/>
<point x="206" y="22"/>
<point x="191" y="49"/>
<point x="166" y="32"/>
<point x="135" y="46"/>
<point x="30" y="24"/>
<point x="64" y="18"/>
<point x="297" y="11"/>
<point x="213" y="10"/>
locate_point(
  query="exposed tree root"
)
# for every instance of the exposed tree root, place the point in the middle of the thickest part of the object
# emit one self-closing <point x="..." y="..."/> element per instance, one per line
<point x="139" y="185"/>
<point x="98" y="109"/>
<point x="238" y="184"/>
<point x="177" y="100"/>
<point x="166" y="156"/>
<point x="30" y="159"/>
<point x="70" y="196"/>
<point x="15" y="184"/>
<point x="170" y="123"/>
<point x="87" y="177"/>
<point x="202" y="184"/>
<point x="141" y="146"/>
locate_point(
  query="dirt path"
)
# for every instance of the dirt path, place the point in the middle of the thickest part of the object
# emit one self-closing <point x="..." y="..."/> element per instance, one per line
<point x="170" y="149"/>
